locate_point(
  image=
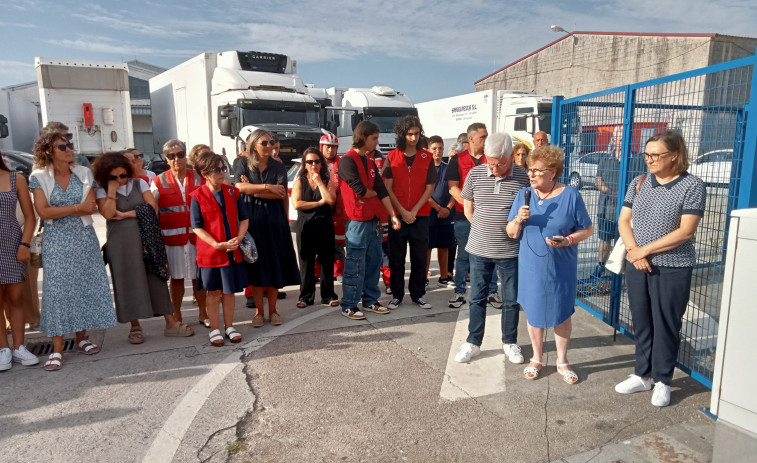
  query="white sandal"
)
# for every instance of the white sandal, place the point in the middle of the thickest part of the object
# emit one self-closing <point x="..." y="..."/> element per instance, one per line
<point x="54" y="362"/>
<point x="569" y="376"/>
<point x="233" y="335"/>
<point x="532" y="372"/>
<point x="215" y="337"/>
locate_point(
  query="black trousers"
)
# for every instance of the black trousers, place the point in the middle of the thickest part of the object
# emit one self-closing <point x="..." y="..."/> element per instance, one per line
<point x="316" y="241"/>
<point x="416" y="235"/>
<point x="658" y="302"/>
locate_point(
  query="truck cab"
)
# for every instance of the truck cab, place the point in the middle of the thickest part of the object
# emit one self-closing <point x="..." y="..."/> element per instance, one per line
<point x="209" y="98"/>
<point x="522" y="114"/>
<point x="379" y="104"/>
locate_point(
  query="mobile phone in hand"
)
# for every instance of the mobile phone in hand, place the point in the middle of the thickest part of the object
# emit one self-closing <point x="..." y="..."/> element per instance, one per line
<point x="557" y="238"/>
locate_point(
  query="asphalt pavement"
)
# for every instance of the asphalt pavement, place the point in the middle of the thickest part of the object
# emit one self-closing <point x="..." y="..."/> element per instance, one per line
<point x="322" y="387"/>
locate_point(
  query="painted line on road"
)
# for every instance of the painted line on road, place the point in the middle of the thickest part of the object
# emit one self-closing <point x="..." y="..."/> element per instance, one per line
<point x="483" y="375"/>
<point x="168" y="439"/>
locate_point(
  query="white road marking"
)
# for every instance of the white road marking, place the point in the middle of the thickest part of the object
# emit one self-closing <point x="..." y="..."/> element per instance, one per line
<point x="483" y="375"/>
<point x="168" y="439"/>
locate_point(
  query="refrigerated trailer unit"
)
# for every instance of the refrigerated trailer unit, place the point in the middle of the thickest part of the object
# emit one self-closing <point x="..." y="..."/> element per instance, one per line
<point x="520" y="114"/>
<point x="91" y="98"/>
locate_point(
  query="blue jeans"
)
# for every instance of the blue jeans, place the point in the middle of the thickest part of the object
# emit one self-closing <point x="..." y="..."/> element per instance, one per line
<point x="362" y="263"/>
<point x="481" y="270"/>
<point x="462" y="261"/>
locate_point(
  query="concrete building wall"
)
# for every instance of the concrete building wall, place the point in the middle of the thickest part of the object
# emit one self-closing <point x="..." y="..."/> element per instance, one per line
<point x="589" y="62"/>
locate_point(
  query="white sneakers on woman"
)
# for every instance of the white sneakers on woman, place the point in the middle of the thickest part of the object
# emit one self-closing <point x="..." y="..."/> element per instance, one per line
<point x="660" y="396"/>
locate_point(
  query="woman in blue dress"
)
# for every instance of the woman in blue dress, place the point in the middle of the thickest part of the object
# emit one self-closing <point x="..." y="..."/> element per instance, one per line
<point x="75" y="291"/>
<point x="549" y="226"/>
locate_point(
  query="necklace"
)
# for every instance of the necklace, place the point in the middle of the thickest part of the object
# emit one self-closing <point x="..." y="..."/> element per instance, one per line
<point x="541" y="200"/>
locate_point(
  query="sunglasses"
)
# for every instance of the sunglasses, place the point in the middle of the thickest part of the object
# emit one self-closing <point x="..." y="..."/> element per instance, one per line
<point x="217" y="170"/>
<point x="266" y="142"/>
<point x="180" y="155"/>
<point x="64" y="146"/>
<point x="137" y="156"/>
<point x="313" y="161"/>
<point x="116" y="177"/>
<point x="68" y="136"/>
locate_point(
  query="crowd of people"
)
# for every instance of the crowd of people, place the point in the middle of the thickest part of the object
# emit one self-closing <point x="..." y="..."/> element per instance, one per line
<point x="496" y="214"/>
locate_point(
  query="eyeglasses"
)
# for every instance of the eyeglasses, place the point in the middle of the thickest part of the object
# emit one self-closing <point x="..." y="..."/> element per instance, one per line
<point x="64" y="146"/>
<point x="654" y="156"/>
<point x="266" y="142"/>
<point x="313" y="161"/>
<point x="115" y="177"/>
<point x="172" y="156"/>
<point x="217" y="170"/>
<point x="536" y="172"/>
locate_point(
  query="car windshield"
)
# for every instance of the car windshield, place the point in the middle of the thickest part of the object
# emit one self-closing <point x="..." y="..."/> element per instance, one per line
<point x="292" y="174"/>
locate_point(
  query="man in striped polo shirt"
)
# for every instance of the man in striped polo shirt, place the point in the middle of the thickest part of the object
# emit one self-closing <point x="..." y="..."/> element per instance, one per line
<point x="488" y="195"/>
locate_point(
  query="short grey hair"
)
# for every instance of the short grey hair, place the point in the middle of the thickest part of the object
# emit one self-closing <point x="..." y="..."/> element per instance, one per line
<point x="173" y="143"/>
<point x="498" y="145"/>
<point x="457" y="147"/>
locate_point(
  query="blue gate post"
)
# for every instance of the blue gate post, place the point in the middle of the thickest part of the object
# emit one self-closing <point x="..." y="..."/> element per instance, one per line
<point x="748" y="187"/>
<point x="557" y="126"/>
<point x="628" y="120"/>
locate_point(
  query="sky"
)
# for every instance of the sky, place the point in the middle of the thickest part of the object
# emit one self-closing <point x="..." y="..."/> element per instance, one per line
<point x="427" y="49"/>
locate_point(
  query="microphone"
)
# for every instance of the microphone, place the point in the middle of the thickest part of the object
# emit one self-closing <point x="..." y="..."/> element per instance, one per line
<point x="527" y="197"/>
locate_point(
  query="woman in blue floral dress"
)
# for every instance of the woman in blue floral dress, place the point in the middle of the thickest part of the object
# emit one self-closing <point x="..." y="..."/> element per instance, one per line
<point x="75" y="291"/>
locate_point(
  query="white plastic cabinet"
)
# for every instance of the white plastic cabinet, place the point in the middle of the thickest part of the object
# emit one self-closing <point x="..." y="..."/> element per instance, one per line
<point x="734" y="384"/>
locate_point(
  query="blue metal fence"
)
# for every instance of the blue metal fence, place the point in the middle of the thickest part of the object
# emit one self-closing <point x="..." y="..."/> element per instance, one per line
<point x="603" y="133"/>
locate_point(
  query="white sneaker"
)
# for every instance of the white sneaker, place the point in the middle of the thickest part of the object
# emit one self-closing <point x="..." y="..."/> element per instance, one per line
<point x="661" y="395"/>
<point x="24" y="357"/>
<point x="633" y="384"/>
<point x="467" y="351"/>
<point x="6" y="359"/>
<point x="513" y="353"/>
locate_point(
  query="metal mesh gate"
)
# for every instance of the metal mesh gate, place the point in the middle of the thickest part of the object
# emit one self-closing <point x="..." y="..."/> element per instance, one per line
<point x="602" y="135"/>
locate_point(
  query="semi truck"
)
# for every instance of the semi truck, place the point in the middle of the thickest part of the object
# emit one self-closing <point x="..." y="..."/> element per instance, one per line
<point x="91" y="98"/>
<point x="209" y="98"/>
<point x="19" y="123"/>
<point x="520" y="114"/>
<point x="344" y="108"/>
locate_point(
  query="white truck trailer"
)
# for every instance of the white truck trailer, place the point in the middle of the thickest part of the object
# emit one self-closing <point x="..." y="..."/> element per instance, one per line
<point x="210" y="97"/>
<point x="520" y="114"/>
<point x="344" y="108"/>
<point x="91" y="98"/>
<point x="19" y="123"/>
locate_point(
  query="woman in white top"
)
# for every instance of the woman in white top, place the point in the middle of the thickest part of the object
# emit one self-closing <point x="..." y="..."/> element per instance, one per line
<point x="75" y="291"/>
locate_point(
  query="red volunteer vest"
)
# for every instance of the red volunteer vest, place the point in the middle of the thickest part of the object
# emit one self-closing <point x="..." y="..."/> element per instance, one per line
<point x="207" y="255"/>
<point x="173" y="209"/>
<point x="409" y="185"/>
<point x="356" y="207"/>
<point x="464" y="165"/>
<point x="337" y="213"/>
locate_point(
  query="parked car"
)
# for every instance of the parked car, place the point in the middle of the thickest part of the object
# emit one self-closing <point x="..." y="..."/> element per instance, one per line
<point x="19" y="161"/>
<point x="583" y="171"/>
<point x="713" y="167"/>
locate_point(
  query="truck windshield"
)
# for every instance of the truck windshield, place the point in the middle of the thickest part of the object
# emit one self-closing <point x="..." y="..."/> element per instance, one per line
<point x="385" y="118"/>
<point x="256" y="112"/>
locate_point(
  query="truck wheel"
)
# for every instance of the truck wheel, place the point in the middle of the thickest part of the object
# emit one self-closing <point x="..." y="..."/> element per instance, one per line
<point x="575" y="180"/>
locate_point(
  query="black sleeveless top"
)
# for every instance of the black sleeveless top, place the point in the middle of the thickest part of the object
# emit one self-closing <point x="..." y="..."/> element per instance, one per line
<point x="310" y="195"/>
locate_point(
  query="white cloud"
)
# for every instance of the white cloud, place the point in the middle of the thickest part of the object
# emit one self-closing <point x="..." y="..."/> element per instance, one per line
<point x="108" y="45"/>
<point x="17" y="71"/>
<point x="22" y="25"/>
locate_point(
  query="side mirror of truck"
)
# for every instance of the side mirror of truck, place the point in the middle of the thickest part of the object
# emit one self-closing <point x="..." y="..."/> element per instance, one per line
<point x="3" y="126"/>
<point x="530" y="126"/>
<point x="356" y="119"/>
<point x="224" y="121"/>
